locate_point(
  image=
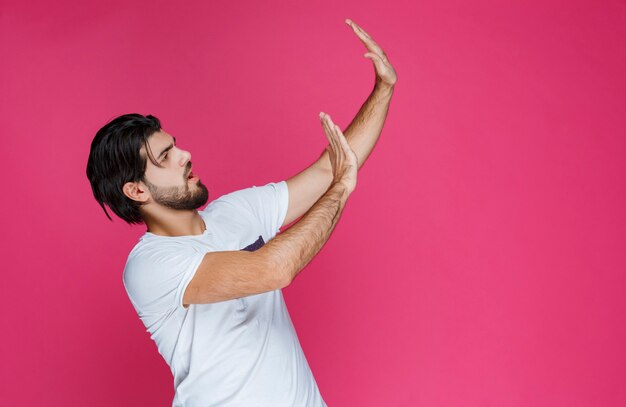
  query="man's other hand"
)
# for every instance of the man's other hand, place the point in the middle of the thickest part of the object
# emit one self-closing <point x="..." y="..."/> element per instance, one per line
<point x="385" y="74"/>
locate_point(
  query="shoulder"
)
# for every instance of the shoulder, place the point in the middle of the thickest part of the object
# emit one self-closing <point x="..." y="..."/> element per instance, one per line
<point x="246" y="202"/>
<point x="155" y="271"/>
<point x="255" y="194"/>
<point x="156" y="255"/>
<point x="149" y="247"/>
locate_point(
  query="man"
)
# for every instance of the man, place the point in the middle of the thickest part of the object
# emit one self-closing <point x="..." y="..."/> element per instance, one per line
<point x="207" y="285"/>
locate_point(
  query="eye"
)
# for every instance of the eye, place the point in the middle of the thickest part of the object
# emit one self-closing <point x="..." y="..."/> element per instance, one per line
<point x="165" y="157"/>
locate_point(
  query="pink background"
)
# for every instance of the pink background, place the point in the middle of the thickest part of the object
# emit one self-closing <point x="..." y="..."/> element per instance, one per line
<point x="480" y="261"/>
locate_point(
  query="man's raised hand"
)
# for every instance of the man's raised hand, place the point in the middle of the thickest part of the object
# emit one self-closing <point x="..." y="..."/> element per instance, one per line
<point x="385" y="74"/>
<point x="343" y="160"/>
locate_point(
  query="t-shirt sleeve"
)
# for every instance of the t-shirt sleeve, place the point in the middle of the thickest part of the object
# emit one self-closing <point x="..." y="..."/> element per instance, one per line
<point x="157" y="274"/>
<point x="267" y="204"/>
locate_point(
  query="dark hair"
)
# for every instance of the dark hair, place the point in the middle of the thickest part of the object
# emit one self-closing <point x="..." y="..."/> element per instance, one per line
<point x="115" y="158"/>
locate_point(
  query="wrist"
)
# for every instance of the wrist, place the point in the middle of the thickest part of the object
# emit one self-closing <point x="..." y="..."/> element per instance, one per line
<point x="383" y="89"/>
<point x="340" y="190"/>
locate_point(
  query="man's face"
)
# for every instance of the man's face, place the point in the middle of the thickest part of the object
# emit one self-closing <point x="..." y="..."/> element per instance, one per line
<point x="171" y="186"/>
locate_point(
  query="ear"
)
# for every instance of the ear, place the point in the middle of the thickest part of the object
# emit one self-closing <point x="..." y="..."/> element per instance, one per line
<point x="136" y="191"/>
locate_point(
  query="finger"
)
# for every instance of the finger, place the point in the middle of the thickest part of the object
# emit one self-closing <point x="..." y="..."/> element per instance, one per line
<point x="331" y="133"/>
<point x="358" y="31"/>
<point x="362" y="31"/>
<point x="346" y="146"/>
<point x="356" y="28"/>
<point x="381" y="56"/>
<point x="342" y="138"/>
<point x="336" y="130"/>
<point x="328" y="131"/>
<point x="365" y="38"/>
<point x="377" y="60"/>
<point x="329" y="148"/>
<point x="367" y="41"/>
<point x="325" y="125"/>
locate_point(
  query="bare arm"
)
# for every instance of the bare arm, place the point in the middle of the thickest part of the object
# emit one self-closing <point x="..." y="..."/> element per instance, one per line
<point x="294" y="248"/>
<point x="233" y="274"/>
<point x="362" y="133"/>
<point x="364" y="130"/>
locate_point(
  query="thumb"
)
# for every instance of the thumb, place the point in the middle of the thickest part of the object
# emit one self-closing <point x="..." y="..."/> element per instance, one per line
<point x="379" y="65"/>
<point x="370" y="55"/>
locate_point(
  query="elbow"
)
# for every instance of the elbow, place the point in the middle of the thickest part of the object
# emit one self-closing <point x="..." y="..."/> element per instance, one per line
<point x="283" y="283"/>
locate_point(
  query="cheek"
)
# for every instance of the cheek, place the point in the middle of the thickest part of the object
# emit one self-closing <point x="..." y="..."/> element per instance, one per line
<point x="165" y="179"/>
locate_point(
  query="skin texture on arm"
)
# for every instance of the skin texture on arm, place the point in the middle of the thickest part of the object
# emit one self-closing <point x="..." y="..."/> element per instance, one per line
<point x="306" y="187"/>
<point x="296" y="247"/>
<point x="226" y="275"/>
<point x="232" y="274"/>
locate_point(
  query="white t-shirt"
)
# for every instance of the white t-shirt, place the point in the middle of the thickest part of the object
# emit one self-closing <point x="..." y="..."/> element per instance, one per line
<point x="239" y="352"/>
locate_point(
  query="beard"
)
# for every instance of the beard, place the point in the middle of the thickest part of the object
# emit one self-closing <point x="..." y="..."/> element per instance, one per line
<point x="182" y="198"/>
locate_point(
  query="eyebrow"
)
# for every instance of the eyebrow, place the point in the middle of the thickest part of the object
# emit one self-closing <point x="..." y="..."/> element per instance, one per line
<point x="168" y="148"/>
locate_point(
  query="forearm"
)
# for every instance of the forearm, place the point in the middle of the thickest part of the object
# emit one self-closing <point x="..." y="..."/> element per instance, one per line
<point x="364" y="130"/>
<point x="291" y="250"/>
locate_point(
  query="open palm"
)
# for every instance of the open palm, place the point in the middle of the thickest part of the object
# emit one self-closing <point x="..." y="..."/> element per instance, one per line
<point x="384" y="71"/>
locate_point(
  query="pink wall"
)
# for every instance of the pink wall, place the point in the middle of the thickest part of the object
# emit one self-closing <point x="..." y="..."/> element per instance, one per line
<point x="480" y="261"/>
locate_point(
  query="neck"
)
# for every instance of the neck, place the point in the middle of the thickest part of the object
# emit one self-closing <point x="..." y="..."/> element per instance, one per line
<point x="172" y="223"/>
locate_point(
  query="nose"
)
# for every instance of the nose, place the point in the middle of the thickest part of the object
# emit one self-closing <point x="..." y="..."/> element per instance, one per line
<point x="185" y="158"/>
